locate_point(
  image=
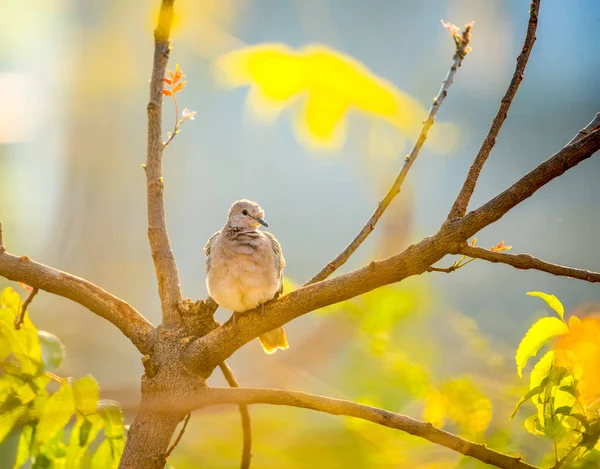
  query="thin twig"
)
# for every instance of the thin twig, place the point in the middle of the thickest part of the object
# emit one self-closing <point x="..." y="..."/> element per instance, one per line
<point x="177" y="122"/>
<point x="178" y="439"/>
<point x="462" y="200"/>
<point x="219" y="396"/>
<point x="526" y="261"/>
<point x="593" y="125"/>
<point x="460" y="53"/>
<point x="245" y="416"/>
<point x="2" y="248"/>
<point x="167" y="275"/>
<point x="447" y="270"/>
<point x="19" y="320"/>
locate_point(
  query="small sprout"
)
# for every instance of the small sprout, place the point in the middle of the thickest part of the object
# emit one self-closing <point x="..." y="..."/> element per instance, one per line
<point x="160" y="180"/>
<point x="188" y="115"/>
<point x="473" y="241"/>
<point x="500" y="247"/>
<point x="144" y="166"/>
<point x="407" y="158"/>
<point x="435" y="100"/>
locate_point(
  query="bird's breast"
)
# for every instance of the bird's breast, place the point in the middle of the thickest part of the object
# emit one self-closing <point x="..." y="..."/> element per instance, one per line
<point x="242" y="277"/>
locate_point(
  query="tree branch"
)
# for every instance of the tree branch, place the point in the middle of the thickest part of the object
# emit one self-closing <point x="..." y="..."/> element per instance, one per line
<point x="220" y="396"/>
<point x="462" y="48"/>
<point x="244" y="414"/>
<point x="525" y="262"/>
<point x="462" y="201"/>
<point x="169" y="289"/>
<point x="208" y="351"/>
<point x="21" y="317"/>
<point x="131" y="323"/>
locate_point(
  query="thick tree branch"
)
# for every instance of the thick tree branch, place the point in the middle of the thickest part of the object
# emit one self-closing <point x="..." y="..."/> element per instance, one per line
<point x="131" y="323"/>
<point x="245" y="416"/>
<point x="462" y="201"/>
<point x="208" y="351"/>
<point x="169" y="289"/>
<point x="219" y="396"/>
<point x="462" y="48"/>
<point x="553" y="167"/>
<point x="525" y="262"/>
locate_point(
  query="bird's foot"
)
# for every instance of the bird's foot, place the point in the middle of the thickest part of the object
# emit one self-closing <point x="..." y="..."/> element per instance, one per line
<point x="234" y="321"/>
<point x="262" y="309"/>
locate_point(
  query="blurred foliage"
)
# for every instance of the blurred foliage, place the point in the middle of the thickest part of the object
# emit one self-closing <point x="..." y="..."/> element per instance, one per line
<point x="564" y="385"/>
<point x="47" y="421"/>
<point x="329" y="86"/>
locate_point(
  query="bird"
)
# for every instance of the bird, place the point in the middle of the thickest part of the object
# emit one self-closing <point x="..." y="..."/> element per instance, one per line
<point x="244" y="267"/>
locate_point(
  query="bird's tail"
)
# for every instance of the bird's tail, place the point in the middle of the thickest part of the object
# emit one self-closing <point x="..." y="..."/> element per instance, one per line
<point x="273" y="340"/>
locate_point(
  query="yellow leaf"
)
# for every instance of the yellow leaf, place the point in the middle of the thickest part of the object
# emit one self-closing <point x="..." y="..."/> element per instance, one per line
<point x="541" y="332"/>
<point x="551" y="301"/>
<point x="330" y="84"/>
<point x="435" y="409"/>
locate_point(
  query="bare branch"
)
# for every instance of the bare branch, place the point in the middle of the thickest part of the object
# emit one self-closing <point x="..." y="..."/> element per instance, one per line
<point x="244" y="414"/>
<point x="19" y="319"/>
<point x="210" y="350"/>
<point x="186" y="420"/>
<point x="462" y="48"/>
<point x="462" y="201"/>
<point x="593" y="125"/>
<point x="553" y="167"/>
<point x="131" y="323"/>
<point x="525" y="262"/>
<point x="219" y="396"/>
<point x="2" y="248"/>
<point x="169" y="289"/>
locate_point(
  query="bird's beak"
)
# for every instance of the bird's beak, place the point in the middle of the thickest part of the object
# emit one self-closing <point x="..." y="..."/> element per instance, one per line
<point x="262" y="222"/>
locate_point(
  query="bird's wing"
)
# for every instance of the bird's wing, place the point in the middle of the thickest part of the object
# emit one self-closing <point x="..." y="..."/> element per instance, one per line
<point x="278" y="259"/>
<point x="207" y="249"/>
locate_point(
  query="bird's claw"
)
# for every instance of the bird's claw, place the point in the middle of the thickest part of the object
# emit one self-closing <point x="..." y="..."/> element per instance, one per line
<point x="234" y="322"/>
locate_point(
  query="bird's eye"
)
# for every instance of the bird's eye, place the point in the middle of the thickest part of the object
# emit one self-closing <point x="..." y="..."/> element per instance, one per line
<point x="244" y="212"/>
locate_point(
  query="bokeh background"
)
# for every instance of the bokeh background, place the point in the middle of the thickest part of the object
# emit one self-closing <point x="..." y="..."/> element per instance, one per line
<point x="73" y="90"/>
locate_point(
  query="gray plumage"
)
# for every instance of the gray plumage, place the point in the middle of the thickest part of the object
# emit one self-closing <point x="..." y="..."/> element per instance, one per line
<point x="244" y="266"/>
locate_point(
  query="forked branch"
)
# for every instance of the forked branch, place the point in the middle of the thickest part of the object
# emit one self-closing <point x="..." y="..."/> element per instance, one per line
<point x="167" y="275"/>
<point x="246" y="396"/>
<point x="462" y="41"/>
<point x="462" y="201"/>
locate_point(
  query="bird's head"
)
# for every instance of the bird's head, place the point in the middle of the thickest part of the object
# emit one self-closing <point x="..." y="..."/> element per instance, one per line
<point x="246" y="214"/>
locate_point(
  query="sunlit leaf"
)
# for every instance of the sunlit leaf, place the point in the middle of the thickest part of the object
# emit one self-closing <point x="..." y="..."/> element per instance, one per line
<point x="551" y="301"/>
<point x="23" y="450"/>
<point x="53" y="350"/>
<point x="532" y="425"/>
<point x="103" y="457"/>
<point x="9" y="416"/>
<point x="55" y="413"/>
<point x="435" y="409"/>
<point x="528" y="395"/>
<point x="329" y="84"/>
<point x="539" y="334"/>
<point x="83" y="434"/>
<point x="86" y="393"/>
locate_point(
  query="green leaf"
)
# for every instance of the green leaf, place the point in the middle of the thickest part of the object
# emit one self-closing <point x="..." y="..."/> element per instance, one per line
<point x="111" y="414"/>
<point x="582" y="419"/>
<point x="531" y="424"/>
<point x="53" y="350"/>
<point x="563" y="410"/>
<point x="528" y="395"/>
<point x="83" y="433"/>
<point x="23" y="451"/>
<point x="86" y="395"/>
<point x="551" y="301"/>
<point x="9" y="418"/>
<point x="12" y="344"/>
<point x="55" y="413"/>
<point x="541" y="332"/>
<point x="10" y="299"/>
<point x="103" y="457"/>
